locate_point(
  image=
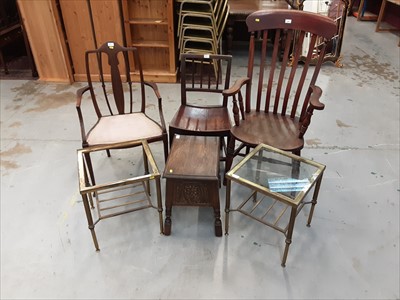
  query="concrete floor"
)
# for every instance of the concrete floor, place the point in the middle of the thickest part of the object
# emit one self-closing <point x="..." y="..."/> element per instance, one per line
<point x="351" y="251"/>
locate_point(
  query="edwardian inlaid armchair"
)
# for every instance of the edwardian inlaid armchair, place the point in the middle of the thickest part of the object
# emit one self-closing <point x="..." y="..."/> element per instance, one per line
<point x="118" y="118"/>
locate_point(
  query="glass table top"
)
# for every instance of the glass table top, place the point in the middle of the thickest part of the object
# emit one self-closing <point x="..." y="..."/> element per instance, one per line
<point x="279" y="174"/>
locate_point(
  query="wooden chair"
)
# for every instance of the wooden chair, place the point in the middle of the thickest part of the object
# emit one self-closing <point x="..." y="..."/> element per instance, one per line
<point x="285" y="92"/>
<point x="203" y="110"/>
<point x="118" y="119"/>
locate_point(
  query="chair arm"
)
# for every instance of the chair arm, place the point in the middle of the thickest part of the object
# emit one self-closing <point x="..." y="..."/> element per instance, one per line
<point x="154" y="86"/>
<point x="236" y="94"/>
<point x="314" y="103"/>
<point x="79" y="94"/>
<point x="235" y="88"/>
<point x="314" y="98"/>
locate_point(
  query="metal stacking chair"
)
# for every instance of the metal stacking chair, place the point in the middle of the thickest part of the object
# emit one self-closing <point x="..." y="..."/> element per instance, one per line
<point x="199" y="31"/>
<point x="206" y="7"/>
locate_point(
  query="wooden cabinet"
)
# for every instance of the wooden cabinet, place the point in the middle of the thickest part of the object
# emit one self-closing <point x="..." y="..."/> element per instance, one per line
<point x="149" y="27"/>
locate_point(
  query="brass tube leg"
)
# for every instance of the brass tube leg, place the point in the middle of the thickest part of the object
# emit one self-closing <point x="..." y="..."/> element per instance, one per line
<point x="146" y="169"/>
<point x="314" y="200"/>
<point x="85" y="175"/>
<point x="90" y="220"/>
<point x="90" y="167"/>
<point x="227" y="204"/>
<point x="288" y="240"/>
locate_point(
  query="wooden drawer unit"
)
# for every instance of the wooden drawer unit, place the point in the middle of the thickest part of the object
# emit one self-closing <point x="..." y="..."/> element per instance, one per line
<point x="149" y="27"/>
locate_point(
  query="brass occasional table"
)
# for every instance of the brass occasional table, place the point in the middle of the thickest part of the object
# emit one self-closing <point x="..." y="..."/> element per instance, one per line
<point x="118" y="196"/>
<point x="278" y="183"/>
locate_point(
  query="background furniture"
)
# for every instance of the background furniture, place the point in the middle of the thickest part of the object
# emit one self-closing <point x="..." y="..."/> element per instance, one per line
<point x="121" y="112"/>
<point x="73" y="26"/>
<point x="50" y="50"/>
<point x="382" y="13"/>
<point x="201" y="25"/>
<point x="192" y="176"/>
<point x="277" y="193"/>
<point x="240" y="9"/>
<point x="361" y="11"/>
<point x="283" y="107"/>
<point x="14" y="44"/>
<point x="337" y="10"/>
<point x="203" y="109"/>
<point x="87" y="25"/>
<point x="149" y="26"/>
<point x="117" y="196"/>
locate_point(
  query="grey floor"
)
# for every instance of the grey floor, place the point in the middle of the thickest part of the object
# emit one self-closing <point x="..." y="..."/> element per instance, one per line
<point x="351" y="251"/>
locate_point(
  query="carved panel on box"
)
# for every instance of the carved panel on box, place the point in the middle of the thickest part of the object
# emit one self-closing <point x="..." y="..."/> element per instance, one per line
<point x="191" y="193"/>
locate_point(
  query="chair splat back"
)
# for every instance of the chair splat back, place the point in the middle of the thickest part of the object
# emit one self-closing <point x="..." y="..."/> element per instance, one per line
<point x="204" y="73"/>
<point x="284" y="85"/>
<point x="111" y="65"/>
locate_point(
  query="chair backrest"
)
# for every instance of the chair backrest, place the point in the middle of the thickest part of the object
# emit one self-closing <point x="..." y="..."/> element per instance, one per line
<point x="108" y="70"/>
<point x="204" y="73"/>
<point x="292" y="49"/>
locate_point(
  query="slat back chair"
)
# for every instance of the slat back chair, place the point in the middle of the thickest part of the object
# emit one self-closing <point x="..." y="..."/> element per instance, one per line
<point x="283" y="90"/>
<point x="203" y="110"/>
<point x="113" y="93"/>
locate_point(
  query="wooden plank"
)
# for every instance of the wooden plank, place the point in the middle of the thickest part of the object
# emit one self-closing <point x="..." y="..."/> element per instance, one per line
<point x="42" y="24"/>
<point x="107" y="21"/>
<point x="107" y="25"/>
<point x="78" y="28"/>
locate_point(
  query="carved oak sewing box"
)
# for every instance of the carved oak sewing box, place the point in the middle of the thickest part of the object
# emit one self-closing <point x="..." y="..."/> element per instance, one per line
<point x="192" y="176"/>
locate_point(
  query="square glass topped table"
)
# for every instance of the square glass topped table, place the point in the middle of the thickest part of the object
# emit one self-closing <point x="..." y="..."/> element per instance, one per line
<point x="279" y="183"/>
<point x="117" y="196"/>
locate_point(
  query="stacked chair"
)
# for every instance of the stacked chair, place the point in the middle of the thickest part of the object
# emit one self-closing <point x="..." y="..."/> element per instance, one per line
<point x="200" y="26"/>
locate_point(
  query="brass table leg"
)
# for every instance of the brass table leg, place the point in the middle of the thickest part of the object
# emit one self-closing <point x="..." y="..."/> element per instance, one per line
<point x="227" y="204"/>
<point x="90" y="220"/>
<point x="314" y="200"/>
<point x="289" y="233"/>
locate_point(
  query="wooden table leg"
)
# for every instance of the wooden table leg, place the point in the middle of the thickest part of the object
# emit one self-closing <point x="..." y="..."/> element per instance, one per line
<point x="168" y="208"/>
<point x="216" y="206"/>
<point x="159" y="204"/>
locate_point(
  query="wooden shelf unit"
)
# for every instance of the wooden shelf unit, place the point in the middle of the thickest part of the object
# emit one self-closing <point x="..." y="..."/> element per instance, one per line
<point x="149" y="26"/>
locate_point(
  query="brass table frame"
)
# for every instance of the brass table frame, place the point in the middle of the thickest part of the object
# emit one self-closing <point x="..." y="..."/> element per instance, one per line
<point x="294" y="201"/>
<point x="139" y="188"/>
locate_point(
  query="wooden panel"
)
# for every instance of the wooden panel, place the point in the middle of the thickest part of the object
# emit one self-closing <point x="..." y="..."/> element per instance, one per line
<point x="107" y="21"/>
<point x="78" y="28"/>
<point x="80" y="34"/>
<point x="49" y="50"/>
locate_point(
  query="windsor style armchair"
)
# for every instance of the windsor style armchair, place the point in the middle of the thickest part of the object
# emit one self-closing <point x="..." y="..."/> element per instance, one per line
<point x="282" y="88"/>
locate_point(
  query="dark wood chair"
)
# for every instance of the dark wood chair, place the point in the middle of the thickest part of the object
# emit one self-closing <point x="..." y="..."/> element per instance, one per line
<point x="282" y="88"/>
<point x="119" y="119"/>
<point x="203" y="110"/>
